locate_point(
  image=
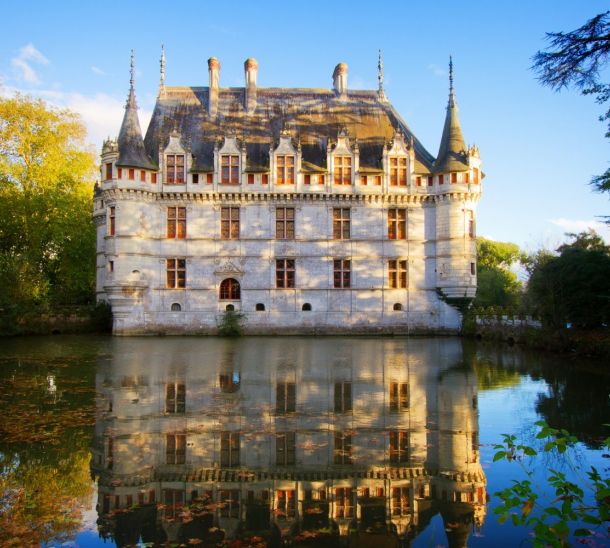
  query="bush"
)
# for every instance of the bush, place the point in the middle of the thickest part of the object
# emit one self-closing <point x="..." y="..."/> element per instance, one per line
<point x="230" y="324"/>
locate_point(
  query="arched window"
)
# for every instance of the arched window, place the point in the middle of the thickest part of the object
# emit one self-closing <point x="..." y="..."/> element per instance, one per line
<point x="306" y="307"/>
<point x="397" y="306"/>
<point x="260" y="307"/>
<point x="229" y="290"/>
<point x="230" y="308"/>
<point x="176" y="307"/>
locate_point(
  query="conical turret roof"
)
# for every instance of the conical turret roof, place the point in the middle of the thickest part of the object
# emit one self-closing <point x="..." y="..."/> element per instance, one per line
<point x="452" y="155"/>
<point x="131" y="143"/>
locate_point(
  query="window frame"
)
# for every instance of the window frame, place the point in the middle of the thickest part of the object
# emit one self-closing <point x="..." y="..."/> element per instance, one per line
<point x="342" y="273"/>
<point x="229" y="449"/>
<point x="229" y="222"/>
<point x="112" y="220"/>
<point x="342" y="219"/>
<point x="175" y="448"/>
<point x="285" y="398"/>
<point x="175" y="398"/>
<point x="342" y="453"/>
<point x="285" y="273"/>
<point x="176" y="222"/>
<point x="398" y="170"/>
<point x="342" y="172"/>
<point x="175" y="273"/>
<point x="232" y="293"/>
<point x="229" y="169"/>
<point x="175" y="169"/>
<point x="398" y="273"/>
<point x="397" y="223"/>
<point x="284" y="225"/>
<point x="284" y="169"/>
<point x="285" y="448"/>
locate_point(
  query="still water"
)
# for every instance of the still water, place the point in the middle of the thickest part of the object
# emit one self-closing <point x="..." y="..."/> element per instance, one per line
<point x="302" y="441"/>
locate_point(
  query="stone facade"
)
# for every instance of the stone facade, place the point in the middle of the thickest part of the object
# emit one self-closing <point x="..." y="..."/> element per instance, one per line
<point x="318" y="209"/>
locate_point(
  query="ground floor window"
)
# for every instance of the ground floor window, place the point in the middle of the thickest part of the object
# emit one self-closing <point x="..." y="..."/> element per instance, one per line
<point x="230" y="290"/>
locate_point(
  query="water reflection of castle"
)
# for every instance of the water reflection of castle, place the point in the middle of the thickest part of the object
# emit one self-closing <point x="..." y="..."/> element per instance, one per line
<point x="285" y="422"/>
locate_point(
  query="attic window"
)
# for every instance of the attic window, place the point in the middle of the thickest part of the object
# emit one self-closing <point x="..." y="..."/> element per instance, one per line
<point x="320" y="179"/>
<point x="430" y="180"/>
<point x="343" y="170"/>
<point x="209" y="178"/>
<point x="307" y="179"/>
<point x="195" y="178"/>
<point x="250" y="178"/>
<point x="284" y="170"/>
<point x="142" y="175"/>
<point x="418" y="181"/>
<point x="475" y="176"/>
<point x="174" y="169"/>
<point x="466" y="177"/>
<point x="132" y="174"/>
<point x="454" y="177"/>
<point x="265" y="178"/>
<point x="153" y="178"/>
<point x="229" y="169"/>
<point x="377" y="180"/>
<point x="398" y="171"/>
<point x="363" y="180"/>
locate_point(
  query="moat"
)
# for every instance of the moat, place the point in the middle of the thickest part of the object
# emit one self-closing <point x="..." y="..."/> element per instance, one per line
<point x="297" y="441"/>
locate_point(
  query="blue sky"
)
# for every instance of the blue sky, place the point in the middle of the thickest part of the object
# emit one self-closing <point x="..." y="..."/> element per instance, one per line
<point x="539" y="148"/>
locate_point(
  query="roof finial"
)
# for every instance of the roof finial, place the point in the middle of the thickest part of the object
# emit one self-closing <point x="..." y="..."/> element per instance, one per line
<point x="380" y="92"/>
<point x="131" y="98"/>
<point x="132" y="70"/>
<point x="451" y="94"/>
<point x="162" y="63"/>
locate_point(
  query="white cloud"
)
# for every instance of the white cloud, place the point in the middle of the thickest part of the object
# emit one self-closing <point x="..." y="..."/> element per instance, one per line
<point x="437" y="71"/>
<point x="575" y="226"/>
<point x="22" y="63"/>
<point x="98" y="70"/>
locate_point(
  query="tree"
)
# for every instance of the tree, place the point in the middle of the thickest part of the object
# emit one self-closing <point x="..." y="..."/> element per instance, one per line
<point x="498" y="285"/>
<point x="574" y="286"/>
<point x="575" y="59"/>
<point x="47" y="237"/>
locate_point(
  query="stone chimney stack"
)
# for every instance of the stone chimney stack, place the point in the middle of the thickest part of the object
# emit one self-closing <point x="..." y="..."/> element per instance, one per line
<point x="251" y="72"/>
<point x="340" y="80"/>
<point x="214" y="72"/>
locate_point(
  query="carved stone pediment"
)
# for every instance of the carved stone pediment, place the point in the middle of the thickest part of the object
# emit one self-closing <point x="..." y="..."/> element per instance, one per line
<point x="228" y="267"/>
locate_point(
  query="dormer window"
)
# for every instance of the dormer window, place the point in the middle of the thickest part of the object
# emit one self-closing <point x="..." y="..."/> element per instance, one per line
<point x="229" y="164"/>
<point x="398" y="171"/>
<point x="343" y="170"/>
<point x="284" y="170"/>
<point x="174" y="169"/>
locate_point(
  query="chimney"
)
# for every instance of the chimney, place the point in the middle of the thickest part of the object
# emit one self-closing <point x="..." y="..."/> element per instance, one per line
<point x="214" y="72"/>
<point x="340" y="80"/>
<point x="251" y="72"/>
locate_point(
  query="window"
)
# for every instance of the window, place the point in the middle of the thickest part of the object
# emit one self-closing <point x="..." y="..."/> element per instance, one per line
<point x="466" y="177"/>
<point x="474" y="446"/>
<point x="401" y="502"/>
<point x="344" y="506"/>
<point x="285" y="398"/>
<point x="286" y="503"/>
<point x="250" y="178"/>
<point x="363" y="179"/>
<point x="397" y="307"/>
<point x="343" y="448"/>
<point x="142" y="175"/>
<point x="306" y="307"/>
<point x="343" y="397"/>
<point x="131" y="174"/>
<point x="320" y="179"/>
<point x="284" y="170"/>
<point x="399" y="447"/>
<point x="175" y="397"/>
<point x="418" y="181"/>
<point x="229" y="449"/>
<point x="341" y="223"/>
<point x="209" y="178"/>
<point x="343" y="170"/>
<point x="342" y="272"/>
<point x="229" y="165"/>
<point x="230" y="308"/>
<point x="229" y="503"/>
<point x="229" y="382"/>
<point x="397" y="273"/>
<point x="230" y="290"/>
<point x="265" y="179"/>
<point x="229" y="223"/>
<point x="175" y="448"/>
<point x="377" y="180"/>
<point x="284" y="273"/>
<point x="284" y="223"/>
<point x="153" y="178"/>
<point x="176" y="222"/>
<point x="176" y="307"/>
<point x="399" y="396"/>
<point x="285" y="448"/>
<point x="398" y="171"/>
<point x="475" y="176"/>
<point x="174" y="169"/>
<point x="473" y="269"/>
<point x="307" y="179"/>
<point x="120" y="174"/>
<point x="112" y="217"/>
<point x="397" y="224"/>
<point x="176" y="273"/>
<point x="260" y="307"/>
<point x="173" y="500"/>
<point x="430" y="180"/>
<point x="108" y="170"/>
<point x="454" y="178"/>
<point x="111" y="266"/>
<point x="440" y="179"/>
<point x="471" y="232"/>
<point x="195" y="178"/>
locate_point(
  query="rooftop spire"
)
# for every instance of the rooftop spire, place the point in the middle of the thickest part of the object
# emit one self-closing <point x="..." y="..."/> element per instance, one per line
<point x="380" y="92"/>
<point x="162" y="79"/>
<point x="131" y="144"/>
<point x="452" y="150"/>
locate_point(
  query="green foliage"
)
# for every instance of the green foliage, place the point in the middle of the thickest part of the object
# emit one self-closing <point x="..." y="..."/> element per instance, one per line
<point x="553" y="521"/>
<point x="101" y="317"/>
<point x="498" y="286"/>
<point x="230" y="324"/>
<point x="47" y="237"/>
<point x="573" y="287"/>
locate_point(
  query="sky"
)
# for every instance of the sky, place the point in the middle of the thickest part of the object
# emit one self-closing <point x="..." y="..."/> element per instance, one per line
<point x="539" y="148"/>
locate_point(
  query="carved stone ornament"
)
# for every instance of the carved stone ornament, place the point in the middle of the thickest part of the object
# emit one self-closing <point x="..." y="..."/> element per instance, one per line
<point x="228" y="267"/>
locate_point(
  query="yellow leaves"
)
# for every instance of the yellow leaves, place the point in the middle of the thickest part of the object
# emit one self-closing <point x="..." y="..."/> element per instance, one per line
<point x="527" y="508"/>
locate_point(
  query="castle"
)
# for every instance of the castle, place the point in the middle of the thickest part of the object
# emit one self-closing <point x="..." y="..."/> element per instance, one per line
<point x="305" y="210"/>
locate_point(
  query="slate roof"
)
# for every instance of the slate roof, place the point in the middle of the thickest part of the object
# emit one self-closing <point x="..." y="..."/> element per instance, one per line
<point x="131" y="145"/>
<point x="313" y="116"/>
<point x="452" y="153"/>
